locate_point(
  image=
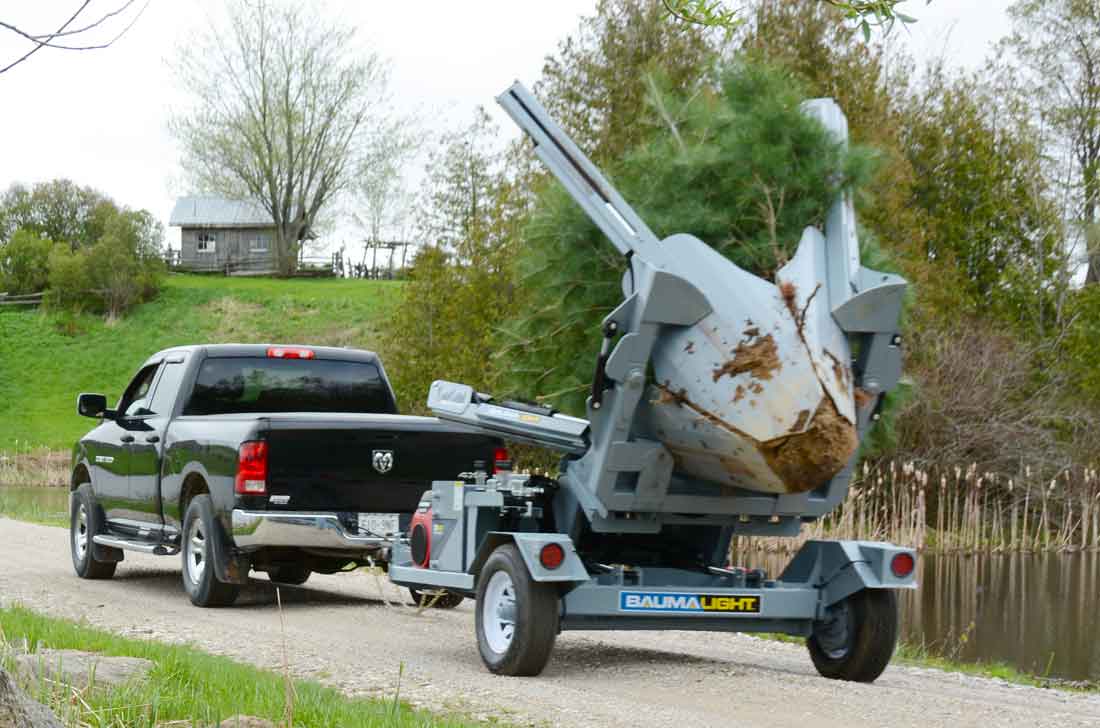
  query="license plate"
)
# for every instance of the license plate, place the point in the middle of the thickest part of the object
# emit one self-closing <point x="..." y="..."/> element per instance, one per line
<point x="377" y="524"/>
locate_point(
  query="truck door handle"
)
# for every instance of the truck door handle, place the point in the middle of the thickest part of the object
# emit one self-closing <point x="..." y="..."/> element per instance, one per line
<point x="127" y="438"/>
<point x="153" y="438"/>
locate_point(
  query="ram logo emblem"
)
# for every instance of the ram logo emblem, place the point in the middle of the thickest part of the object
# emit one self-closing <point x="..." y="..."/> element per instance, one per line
<point x="382" y="460"/>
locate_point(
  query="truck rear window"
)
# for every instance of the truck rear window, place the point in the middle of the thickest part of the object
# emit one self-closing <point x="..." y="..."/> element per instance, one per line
<point x="242" y="385"/>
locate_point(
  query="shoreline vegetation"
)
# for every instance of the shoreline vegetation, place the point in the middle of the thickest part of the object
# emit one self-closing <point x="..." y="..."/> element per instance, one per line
<point x="960" y="511"/>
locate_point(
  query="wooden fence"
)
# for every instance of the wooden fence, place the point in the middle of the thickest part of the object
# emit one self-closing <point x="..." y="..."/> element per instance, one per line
<point x="27" y="299"/>
<point x="308" y="266"/>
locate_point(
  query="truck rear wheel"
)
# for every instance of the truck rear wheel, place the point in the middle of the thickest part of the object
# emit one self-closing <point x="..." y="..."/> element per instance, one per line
<point x="444" y="600"/>
<point x="857" y="641"/>
<point x="85" y="522"/>
<point x="516" y="617"/>
<point x="200" y="578"/>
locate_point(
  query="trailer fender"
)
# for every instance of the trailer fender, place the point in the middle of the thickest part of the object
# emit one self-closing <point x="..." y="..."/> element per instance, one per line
<point x="842" y="568"/>
<point x="529" y="545"/>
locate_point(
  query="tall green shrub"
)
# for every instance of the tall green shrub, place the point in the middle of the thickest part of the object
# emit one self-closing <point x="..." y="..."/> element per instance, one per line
<point x="23" y="262"/>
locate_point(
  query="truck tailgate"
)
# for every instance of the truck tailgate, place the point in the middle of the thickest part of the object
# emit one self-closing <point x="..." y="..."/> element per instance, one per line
<point x="328" y="463"/>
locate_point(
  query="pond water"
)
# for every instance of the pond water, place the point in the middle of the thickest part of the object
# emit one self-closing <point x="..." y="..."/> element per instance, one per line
<point x="46" y="505"/>
<point x="1039" y="613"/>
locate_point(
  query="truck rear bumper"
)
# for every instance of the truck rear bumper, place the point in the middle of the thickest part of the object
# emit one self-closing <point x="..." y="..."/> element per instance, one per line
<point x="258" y="529"/>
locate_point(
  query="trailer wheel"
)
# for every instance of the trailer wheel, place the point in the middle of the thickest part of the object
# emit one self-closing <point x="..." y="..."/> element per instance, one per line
<point x="857" y="641"/>
<point x="446" y="600"/>
<point x="517" y="617"/>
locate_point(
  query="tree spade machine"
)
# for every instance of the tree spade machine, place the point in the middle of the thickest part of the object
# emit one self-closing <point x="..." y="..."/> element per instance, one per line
<point x="722" y="405"/>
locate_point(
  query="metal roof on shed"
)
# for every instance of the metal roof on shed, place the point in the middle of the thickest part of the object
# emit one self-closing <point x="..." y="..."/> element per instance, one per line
<point x="211" y="211"/>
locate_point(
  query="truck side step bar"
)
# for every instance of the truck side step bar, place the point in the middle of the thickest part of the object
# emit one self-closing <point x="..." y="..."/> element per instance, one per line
<point x="145" y="547"/>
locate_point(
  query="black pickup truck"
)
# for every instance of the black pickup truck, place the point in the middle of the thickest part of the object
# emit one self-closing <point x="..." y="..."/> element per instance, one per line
<point x="283" y="459"/>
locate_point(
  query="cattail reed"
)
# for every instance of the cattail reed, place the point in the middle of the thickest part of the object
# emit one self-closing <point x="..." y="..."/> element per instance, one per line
<point x="965" y="511"/>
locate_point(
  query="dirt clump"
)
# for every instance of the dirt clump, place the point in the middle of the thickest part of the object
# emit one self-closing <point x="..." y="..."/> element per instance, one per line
<point x="863" y="398"/>
<point x="668" y="396"/>
<point x="759" y="358"/>
<point x="808" y="460"/>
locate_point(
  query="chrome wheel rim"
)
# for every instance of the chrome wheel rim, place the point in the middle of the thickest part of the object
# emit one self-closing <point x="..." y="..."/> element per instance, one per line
<point x="80" y="533"/>
<point x="498" y="612"/>
<point x="195" y="551"/>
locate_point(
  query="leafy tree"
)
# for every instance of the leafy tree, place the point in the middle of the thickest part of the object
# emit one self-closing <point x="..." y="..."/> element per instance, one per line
<point x="978" y="181"/>
<point x="461" y="283"/>
<point x="739" y="166"/>
<point x="59" y="210"/>
<point x="866" y="13"/>
<point x="380" y="188"/>
<point x="282" y="111"/>
<point x="1057" y="44"/>
<point x="598" y="84"/>
<point x="122" y="268"/>
<point x="23" y="262"/>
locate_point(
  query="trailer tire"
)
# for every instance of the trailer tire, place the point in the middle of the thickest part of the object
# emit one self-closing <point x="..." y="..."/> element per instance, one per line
<point x="516" y="616"/>
<point x="85" y="521"/>
<point x="857" y="644"/>
<point x="446" y="600"/>
<point x="200" y="578"/>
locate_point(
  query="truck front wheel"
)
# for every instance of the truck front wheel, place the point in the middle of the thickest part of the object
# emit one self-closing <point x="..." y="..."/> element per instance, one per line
<point x="84" y="523"/>
<point x="857" y="639"/>
<point x="516" y="617"/>
<point x="200" y="579"/>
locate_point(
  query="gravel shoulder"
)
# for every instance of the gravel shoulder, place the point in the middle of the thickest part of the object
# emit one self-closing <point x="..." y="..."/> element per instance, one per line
<point x="341" y="630"/>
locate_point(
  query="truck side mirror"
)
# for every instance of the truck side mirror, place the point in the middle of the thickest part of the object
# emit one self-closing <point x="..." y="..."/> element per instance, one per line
<point x="93" y="405"/>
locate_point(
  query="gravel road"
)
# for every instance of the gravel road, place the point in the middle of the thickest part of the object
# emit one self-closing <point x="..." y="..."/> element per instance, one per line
<point x="341" y="632"/>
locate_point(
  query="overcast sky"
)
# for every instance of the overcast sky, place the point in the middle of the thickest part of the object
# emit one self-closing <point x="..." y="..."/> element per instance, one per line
<point x="99" y="117"/>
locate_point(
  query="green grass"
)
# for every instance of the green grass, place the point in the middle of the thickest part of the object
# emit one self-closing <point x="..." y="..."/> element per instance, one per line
<point x="921" y="656"/>
<point x="48" y="506"/>
<point x="187" y="684"/>
<point x="47" y="358"/>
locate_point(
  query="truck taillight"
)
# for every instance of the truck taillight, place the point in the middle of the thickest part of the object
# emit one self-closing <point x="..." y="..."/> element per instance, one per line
<point x="289" y="352"/>
<point x="252" y="468"/>
<point x="502" y="460"/>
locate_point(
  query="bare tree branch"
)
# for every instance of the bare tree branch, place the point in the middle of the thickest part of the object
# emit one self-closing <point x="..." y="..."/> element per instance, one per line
<point x="46" y="40"/>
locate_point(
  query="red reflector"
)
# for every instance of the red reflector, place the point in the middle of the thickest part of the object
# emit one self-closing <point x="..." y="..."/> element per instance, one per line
<point x="502" y="460"/>
<point x="251" y="468"/>
<point x="289" y="352"/>
<point x="552" y="555"/>
<point x="902" y="565"/>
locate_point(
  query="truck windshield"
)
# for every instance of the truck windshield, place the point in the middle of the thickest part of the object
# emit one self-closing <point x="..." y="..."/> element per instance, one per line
<point x="242" y="385"/>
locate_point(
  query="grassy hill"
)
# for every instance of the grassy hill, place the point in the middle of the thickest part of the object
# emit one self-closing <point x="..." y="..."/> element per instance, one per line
<point x="47" y="358"/>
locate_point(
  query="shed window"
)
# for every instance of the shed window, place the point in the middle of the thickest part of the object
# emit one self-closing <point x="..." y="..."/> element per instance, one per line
<point x="260" y="243"/>
<point x="206" y="243"/>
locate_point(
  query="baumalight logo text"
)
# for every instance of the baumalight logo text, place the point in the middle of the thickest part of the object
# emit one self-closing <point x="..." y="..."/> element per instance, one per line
<point x="633" y="601"/>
